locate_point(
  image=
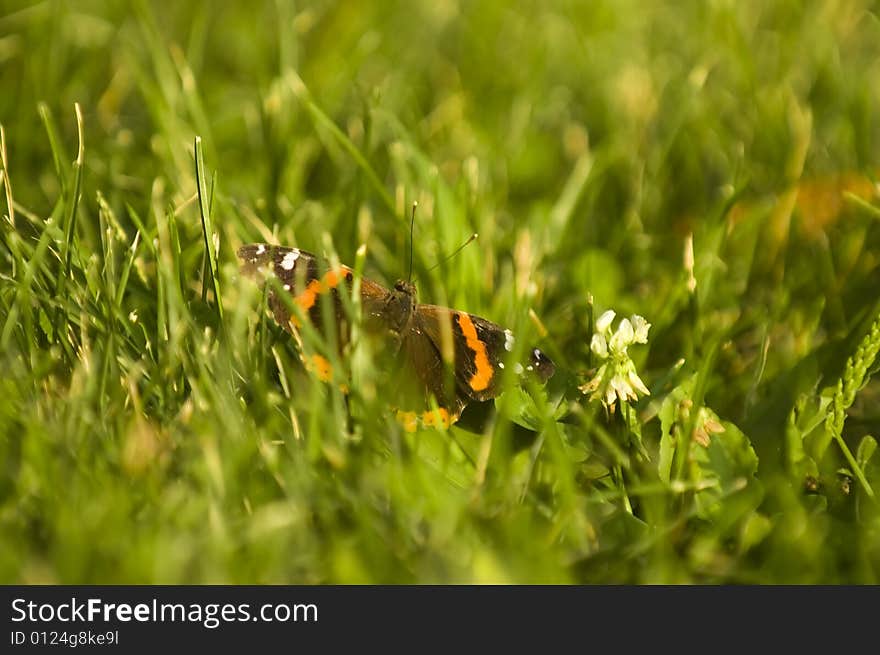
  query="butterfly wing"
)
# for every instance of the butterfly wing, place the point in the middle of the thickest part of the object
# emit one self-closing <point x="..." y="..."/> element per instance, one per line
<point x="477" y="349"/>
<point x="468" y="348"/>
<point x="424" y="376"/>
<point x="306" y="278"/>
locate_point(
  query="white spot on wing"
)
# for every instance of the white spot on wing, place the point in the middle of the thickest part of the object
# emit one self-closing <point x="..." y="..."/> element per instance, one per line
<point x="500" y="364"/>
<point x="261" y="249"/>
<point x="287" y="287"/>
<point x="289" y="260"/>
<point x="508" y="340"/>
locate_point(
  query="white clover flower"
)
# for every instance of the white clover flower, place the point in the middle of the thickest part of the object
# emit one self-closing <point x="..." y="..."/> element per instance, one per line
<point x="622" y="338"/>
<point x="616" y="380"/>
<point x="641" y="327"/>
<point x="636" y="382"/>
<point x="604" y="321"/>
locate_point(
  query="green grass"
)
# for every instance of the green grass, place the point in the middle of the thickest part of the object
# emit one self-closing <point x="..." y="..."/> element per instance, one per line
<point x="156" y="426"/>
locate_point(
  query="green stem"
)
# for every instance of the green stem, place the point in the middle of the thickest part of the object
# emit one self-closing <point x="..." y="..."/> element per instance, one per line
<point x="618" y="476"/>
<point x="854" y="465"/>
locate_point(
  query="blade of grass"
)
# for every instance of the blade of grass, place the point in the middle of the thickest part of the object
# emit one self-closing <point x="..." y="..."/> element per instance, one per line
<point x="23" y="293"/>
<point x="59" y="156"/>
<point x="7" y="182"/>
<point x="301" y="91"/>
<point x="207" y="226"/>
<point x="10" y="243"/>
<point x="70" y="223"/>
<point x="126" y="271"/>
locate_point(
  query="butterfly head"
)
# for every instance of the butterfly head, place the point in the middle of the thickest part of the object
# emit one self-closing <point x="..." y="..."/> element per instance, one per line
<point x="401" y="304"/>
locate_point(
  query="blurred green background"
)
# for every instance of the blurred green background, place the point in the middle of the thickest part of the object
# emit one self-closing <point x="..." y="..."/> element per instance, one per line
<point x="586" y="142"/>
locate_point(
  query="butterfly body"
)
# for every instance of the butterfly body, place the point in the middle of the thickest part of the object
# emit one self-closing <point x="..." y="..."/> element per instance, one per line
<point x="441" y="357"/>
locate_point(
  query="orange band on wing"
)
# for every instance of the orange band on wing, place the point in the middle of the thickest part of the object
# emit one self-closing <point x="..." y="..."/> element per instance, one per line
<point x="483" y="375"/>
<point x="306" y="300"/>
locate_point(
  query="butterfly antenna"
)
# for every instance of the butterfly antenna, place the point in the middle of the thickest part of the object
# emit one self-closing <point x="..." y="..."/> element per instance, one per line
<point x="470" y="240"/>
<point x="412" y="227"/>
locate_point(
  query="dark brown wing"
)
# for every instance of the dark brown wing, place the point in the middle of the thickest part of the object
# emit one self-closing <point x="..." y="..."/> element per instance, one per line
<point x="310" y="282"/>
<point x="478" y="348"/>
<point x="473" y="344"/>
<point x="306" y="277"/>
<point x="424" y="375"/>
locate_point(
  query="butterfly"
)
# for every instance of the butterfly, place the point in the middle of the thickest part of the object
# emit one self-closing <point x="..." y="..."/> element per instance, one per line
<point x="439" y="359"/>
